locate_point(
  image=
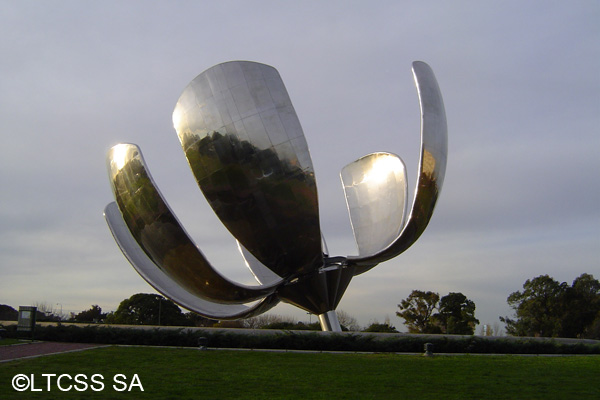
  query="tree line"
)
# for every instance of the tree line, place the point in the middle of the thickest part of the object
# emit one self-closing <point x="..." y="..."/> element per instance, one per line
<point x="544" y="308"/>
<point x="548" y="308"/>
<point x="455" y="313"/>
<point x="154" y="309"/>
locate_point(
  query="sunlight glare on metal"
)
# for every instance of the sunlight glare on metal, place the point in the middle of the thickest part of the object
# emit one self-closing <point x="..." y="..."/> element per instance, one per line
<point x="119" y="155"/>
<point x="381" y="169"/>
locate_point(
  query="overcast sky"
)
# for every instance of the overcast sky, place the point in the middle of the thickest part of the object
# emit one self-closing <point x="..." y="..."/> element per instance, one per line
<point x="520" y="81"/>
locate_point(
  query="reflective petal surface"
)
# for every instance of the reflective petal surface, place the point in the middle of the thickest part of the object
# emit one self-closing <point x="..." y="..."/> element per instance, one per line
<point x="246" y="148"/>
<point x="157" y="231"/>
<point x="432" y="168"/>
<point x="376" y="191"/>
<point x="262" y="274"/>
<point x="169" y="287"/>
<point x="244" y="144"/>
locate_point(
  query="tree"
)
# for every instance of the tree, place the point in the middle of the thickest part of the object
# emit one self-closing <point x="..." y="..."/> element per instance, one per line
<point x="7" y="313"/>
<point x="230" y="324"/>
<point x="537" y="308"/>
<point x="46" y="312"/>
<point x="456" y="315"/>
<point x="198" y="320"/>
<point x="582" y="308"/>
<point x="417" y="311"/>
<point x="548" y="308"/>
<point x="148" y="309"/>
<point x="263" y="320"/>
<point x="347" y="321"/>
<point x="94" y="314"/>
<point x="386" y="327"/>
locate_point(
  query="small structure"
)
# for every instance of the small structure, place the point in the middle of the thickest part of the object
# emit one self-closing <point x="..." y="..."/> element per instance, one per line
<point x="202" y="343"/>
<point x="26" y="322"/>
<point x="428" y="350"/>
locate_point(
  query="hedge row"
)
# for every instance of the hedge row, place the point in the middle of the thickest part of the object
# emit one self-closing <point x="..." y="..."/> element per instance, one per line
<point x="306" y="340"/>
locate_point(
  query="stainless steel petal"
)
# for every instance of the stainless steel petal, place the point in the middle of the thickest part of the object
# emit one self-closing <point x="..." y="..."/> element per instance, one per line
<point x="376" y="191"/>
<point x="161" y="236"/>
<point x="432" y="168"/>
<point x="246" y="148"/>
<point x="324" y="245"/>
<point x="262" y="274"/>
<point x="169" y="287"/>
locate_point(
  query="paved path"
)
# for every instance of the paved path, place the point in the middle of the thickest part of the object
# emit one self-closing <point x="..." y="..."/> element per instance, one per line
<point x="36" y="349"/>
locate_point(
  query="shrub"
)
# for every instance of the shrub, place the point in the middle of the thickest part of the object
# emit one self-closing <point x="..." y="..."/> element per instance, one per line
<point x="307" y="340"/>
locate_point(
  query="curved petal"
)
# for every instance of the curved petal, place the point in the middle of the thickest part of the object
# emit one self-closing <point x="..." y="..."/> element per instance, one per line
<point x="262" y="274"/>
<point x="160" y="235"/>
<point x="376" y="191"/>
<point x="324" y="245"/>
<point x="246" y="148"/>
<point x="167" y="286"/>
<point x="432" y="168"/>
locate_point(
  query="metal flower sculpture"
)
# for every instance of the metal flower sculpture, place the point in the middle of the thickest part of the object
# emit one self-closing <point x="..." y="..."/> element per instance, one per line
<point x="247" y="151"/>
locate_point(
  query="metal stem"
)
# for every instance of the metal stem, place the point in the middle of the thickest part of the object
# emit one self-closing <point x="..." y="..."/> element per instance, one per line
<point x="329" y="322"/>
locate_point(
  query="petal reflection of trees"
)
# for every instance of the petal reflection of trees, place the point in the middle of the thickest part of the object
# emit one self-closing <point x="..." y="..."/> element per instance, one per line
<point x="162" y="238"/>
<point x="266" y="200"/>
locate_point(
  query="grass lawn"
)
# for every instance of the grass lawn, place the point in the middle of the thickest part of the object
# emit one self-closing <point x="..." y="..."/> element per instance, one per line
<point x="189" y="373"/>
<point x="6" y="342"/>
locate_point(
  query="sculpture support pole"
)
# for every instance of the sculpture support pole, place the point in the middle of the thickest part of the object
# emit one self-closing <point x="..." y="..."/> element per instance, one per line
<point x="329" y="322"/>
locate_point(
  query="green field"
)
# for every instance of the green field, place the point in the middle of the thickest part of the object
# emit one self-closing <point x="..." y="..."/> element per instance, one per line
<point x="8" y="342"/>
<point x="172" y="373"/>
